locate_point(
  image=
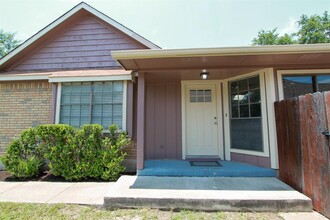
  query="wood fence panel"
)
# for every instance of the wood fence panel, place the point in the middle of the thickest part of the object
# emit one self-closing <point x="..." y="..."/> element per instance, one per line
<point x="324" y="162"/>
<point x="287" y="120"/>
<point x="305" y="149"/>
<point x="304" y="160"/>
<point x="316" y="127"/>
<point x="325" y="168"/>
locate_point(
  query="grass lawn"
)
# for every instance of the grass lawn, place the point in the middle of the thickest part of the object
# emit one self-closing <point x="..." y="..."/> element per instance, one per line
<point x="62" y="211"/>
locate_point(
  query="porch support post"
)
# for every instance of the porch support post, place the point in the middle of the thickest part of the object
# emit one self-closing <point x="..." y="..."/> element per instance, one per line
<point x="140" y="121"/>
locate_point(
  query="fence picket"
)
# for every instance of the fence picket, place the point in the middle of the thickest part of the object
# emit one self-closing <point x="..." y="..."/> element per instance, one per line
<point x="304" y="160"/>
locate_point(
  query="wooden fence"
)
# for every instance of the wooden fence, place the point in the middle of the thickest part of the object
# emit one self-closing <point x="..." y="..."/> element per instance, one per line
<point x="303" y="146"/>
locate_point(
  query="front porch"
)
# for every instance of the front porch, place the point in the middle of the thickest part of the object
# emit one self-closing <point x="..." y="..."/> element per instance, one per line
<point x="183" y="168"/>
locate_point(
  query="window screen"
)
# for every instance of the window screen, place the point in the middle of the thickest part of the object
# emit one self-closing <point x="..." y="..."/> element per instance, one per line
<point x="245" y="114"/>
<point x="92" y="102"/>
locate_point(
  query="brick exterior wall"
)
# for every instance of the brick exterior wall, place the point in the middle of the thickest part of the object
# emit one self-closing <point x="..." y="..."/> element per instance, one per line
<point x="131" y="150"/>
<point x="23" y="105"/>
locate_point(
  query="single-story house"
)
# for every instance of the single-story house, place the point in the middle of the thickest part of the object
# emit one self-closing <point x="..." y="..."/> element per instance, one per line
<point x="203" y="103"/>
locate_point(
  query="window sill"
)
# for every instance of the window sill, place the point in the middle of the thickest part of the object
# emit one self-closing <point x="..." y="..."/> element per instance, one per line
<point x="250" y="152"/>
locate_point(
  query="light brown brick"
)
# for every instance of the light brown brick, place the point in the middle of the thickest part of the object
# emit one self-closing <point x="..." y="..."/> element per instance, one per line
<point x="21" y="103"/>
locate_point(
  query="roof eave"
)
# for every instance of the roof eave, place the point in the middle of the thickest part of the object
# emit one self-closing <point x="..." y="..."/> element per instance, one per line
<point x="220" y="51"/>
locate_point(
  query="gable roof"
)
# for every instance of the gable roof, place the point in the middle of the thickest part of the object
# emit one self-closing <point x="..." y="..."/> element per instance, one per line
<point x="61" y="20"/>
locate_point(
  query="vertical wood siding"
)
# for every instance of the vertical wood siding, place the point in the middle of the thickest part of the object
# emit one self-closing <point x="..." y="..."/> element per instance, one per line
<point x="304" y="158"/>
<point x="163" y="121"/>
<point x="86" y="44"/>
<point x="251" y="159"/>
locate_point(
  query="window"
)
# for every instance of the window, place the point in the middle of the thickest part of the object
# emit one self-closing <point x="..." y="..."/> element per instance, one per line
<point x="200" y="95"/>
<point x="297" y="85"/>
<point x="245" y="114"/>
<point x="92" y="103"/>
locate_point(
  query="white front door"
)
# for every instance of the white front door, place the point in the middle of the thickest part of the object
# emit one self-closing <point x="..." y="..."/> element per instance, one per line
<point x="201" y="120"/>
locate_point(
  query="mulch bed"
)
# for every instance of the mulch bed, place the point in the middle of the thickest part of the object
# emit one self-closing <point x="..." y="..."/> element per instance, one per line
<point x="46" y="176"/>
<point x="4" y="175"/>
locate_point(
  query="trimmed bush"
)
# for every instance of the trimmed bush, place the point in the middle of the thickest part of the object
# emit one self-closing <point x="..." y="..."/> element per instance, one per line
<point x="113" y="154"/>
<point x="74" y="154"/>
<point x="57" y="141"/>
<point x="24" y="156"/>
<point x="88" y="155"/>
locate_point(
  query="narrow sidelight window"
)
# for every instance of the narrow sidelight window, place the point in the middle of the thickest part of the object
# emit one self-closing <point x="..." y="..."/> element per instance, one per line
<point x="245" y="114"/>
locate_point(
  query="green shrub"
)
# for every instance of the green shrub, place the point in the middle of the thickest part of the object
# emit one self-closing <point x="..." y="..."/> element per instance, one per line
<point x="24" y="156"/>
<point x="55" y="134"/>
<point x="56" y="139"/>
<point x="74" y="154"/>
<point x="113" y="154"/>
<point x="89" y="155"/>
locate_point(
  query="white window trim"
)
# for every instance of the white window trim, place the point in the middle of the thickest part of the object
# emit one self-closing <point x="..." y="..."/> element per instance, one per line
<point x="264" y="114"/>
<point x="217" y="84"/>
<point x="90" y="79"/>
<point x="124" y="105"/>
<point x="271" y="99"/>
<point x="281" y="73"/>
<point x="58" y="104"/>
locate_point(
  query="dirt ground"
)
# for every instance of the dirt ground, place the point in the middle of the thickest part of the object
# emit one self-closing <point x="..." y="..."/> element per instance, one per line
<point x="4" y="175"/>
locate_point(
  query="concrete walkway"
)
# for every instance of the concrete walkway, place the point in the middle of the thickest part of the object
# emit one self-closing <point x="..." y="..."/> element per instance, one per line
<point x="86" y="193"/>
<point x="206" y="193"/>
<point x="133" y="188"/>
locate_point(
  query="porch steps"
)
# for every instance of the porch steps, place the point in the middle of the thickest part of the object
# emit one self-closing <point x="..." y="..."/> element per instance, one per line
<point x="206" y="193"/>
<point x="182" y="168"/>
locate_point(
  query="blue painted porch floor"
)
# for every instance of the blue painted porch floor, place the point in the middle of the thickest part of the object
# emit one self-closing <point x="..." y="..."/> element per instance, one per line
<point x="183" y="168"/>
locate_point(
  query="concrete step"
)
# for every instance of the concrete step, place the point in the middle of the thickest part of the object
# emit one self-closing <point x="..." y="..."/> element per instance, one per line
<point x="206" y="193"/>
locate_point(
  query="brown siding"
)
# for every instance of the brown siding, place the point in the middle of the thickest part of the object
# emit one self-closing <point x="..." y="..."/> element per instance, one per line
<point x="163" y="121"/>
<point x="23" y="105"/>
<point x="302" y="124"/>
<point x="86" y="44"/>
<point x="251" y="159"/>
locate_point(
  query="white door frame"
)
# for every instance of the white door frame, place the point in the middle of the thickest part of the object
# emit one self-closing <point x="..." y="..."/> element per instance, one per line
<point x="217" y="83"/>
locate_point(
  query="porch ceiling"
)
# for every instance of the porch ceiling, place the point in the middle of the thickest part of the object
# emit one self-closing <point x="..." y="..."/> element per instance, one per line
<point x="254" y="57"/>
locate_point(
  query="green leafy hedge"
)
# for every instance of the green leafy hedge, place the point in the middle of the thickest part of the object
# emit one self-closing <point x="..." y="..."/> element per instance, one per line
<point x="24" y="157"/>
<point x="74" y="154"/>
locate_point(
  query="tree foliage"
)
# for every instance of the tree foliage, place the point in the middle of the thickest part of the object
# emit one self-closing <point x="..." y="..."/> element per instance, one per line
<point x="314" y="29"/>
<point x="7" y="42"/>
<point x="311" y="30"/>
<point x="271" y="37"/>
